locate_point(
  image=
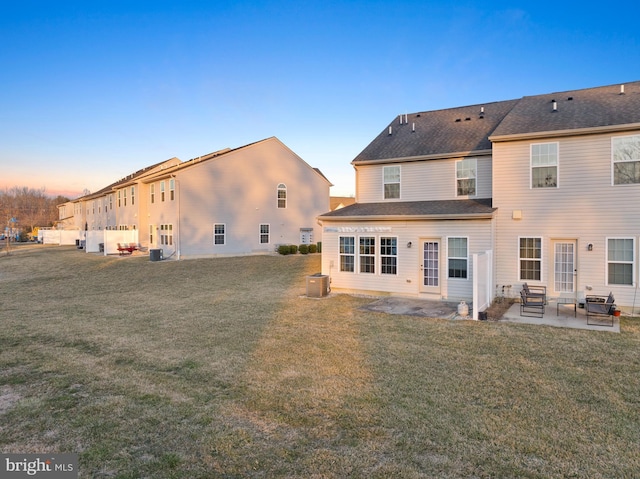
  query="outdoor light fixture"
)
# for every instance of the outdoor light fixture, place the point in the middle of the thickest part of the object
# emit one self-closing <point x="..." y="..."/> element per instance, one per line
<point x="409" y="244"/>
<point x="590" y="247"/>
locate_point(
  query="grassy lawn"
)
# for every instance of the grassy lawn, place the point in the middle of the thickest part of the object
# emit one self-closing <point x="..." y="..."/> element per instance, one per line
<point x="222" y="368"/>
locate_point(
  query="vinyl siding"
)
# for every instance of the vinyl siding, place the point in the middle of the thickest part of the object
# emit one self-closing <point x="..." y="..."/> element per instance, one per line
<point x="239" y="189"/>
<point x="422" y="180"/>
<point x="407" y="281"/>
<point x="585" y="207"/>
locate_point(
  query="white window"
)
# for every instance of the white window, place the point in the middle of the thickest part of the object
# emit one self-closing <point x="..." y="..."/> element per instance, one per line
<point x="162" y="191"/>
<point x="620" y="261"/>
<point x="172" y="189"/>
<point x="119" y="198"/>
<point x="466" y="177"/>
<point x="544" y="165"/>
<point x="391" y="182"/>
<point x="388" y="255"/>
<point x="347" y="254"/>
<point x="367" y="256"/>
<point x="124" y="196"/>
<point x="152" y="230"/>
<point x="166" y="234"/>
<point x="530" y="259"/>
<point x="219" y="234"/>
<point x="133" y="195"/>
<point x="458" y="257"/>
<point x="282" y="195"/>
<point x="264" y="234"/>
<point x="152" y="190"/>
<point x="625" y="151"/>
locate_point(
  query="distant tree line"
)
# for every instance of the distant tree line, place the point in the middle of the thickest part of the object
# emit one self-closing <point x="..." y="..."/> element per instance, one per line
<point x="23" y="209"/>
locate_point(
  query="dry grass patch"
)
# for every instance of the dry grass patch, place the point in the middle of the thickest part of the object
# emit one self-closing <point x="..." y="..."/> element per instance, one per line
<point x="222" y="368"/>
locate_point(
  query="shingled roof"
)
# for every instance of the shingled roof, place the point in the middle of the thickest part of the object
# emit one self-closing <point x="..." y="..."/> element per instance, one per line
<point x="440" y="132"/>
<point x="605" y="106"/>
<point x="438" y="209"/>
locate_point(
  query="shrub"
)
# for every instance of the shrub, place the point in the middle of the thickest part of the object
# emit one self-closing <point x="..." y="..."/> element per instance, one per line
<point x="313" y="248"/>
<point x="303" y="248"/>
<point x="284" y="249"/>
<point x="293" y="249"/>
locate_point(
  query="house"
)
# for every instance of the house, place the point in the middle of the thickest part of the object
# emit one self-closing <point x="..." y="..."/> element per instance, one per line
<point x="245" y="200"/>
<point x="546" y="187"/>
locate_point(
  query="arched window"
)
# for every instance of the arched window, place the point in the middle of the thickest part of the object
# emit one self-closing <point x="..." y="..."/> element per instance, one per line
<point x="282" y="195"/>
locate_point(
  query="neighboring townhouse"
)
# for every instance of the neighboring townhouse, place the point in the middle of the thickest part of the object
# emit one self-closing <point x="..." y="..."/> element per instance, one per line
<point x="547" y="186"/>
<point x="245" y="200"/>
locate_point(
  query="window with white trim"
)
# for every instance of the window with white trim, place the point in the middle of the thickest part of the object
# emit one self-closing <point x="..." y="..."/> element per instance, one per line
<point x="367" y="254"/>
<point x="133" y="195"/>
<point x="466" y="177"/>
<point x="544" y="165"/>
<point x="625" y="152"/>
<point x="219" y="234"/>
<point x="264" y="234"/>
<point x="152" y="192"/>
<point x="347" y="254"/>
<point x="391" y="182"/>
<point x="119" y="198"/>
<point x="388" y="255"/>
<point x="620" y="261"/>
<point x="530" y="259"/>
<point x="152" y="230"/>
<point x="166" y="234"/>
<point x="162" y="191"/>
<point x="282" y="195"/>
<point x="458" y="257"/>
<point x="172" y="189"/>
<point x="124" y="197"/>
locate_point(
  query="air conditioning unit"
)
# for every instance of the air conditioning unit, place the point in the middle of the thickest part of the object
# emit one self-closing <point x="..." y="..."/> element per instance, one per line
<point x="317" y="285"/>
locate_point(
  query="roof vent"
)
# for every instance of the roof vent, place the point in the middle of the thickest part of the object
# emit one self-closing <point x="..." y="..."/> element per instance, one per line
<point x="555" y="106"/>
<point x="413" y="128"/>
<point x="467" y="119"/>
<point x="390" y="129"/>
<point x="482" y="110"/>
<point x="458" y="119"/>
<point x="570" y="98"/>
<point x="622" y="89"/>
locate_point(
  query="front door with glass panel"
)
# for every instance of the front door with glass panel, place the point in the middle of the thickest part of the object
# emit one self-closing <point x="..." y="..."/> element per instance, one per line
<point x="564" y="266"/>
<point x="430" y="266"/>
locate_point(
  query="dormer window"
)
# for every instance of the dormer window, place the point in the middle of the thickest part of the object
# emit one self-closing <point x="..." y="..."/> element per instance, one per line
<point x="391" y="182"/>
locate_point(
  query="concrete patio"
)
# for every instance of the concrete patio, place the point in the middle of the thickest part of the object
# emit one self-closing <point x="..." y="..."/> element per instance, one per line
<point x="562" y="316"/>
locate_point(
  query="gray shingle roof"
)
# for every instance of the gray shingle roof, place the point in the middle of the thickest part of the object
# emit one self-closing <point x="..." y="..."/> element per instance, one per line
<point x="440" y="132"/>
<point x="576" y="109"/>
<point x="439" y="208"/>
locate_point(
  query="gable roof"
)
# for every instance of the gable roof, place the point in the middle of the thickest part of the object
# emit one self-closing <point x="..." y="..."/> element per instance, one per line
<point x="605" y="106"/>
<point x="438" y="133"/>
<point x="438" y="209"/>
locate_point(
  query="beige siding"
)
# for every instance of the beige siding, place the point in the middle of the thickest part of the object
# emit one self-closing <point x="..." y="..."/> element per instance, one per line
<point x="409" y="276"/>
<point x="585" y="207"/>
<point x="422" y="180"/>
<point x="239" y="190"/>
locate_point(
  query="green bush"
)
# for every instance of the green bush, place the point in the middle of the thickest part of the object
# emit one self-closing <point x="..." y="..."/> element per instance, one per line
<point x="284" y="249"/>
<point x="313" y="248"/>
<point x="293" y="249"/>
<point x="303" y="248"/>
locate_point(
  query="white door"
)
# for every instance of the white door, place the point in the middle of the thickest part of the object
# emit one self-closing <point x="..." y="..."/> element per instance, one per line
<point x="430" y="266"/>
<point x="564" y="266"/>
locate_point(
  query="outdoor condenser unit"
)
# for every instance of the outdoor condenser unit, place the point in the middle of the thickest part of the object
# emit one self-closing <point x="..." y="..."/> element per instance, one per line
<point x="317" y="285"/>
<point x="155" y="254"/>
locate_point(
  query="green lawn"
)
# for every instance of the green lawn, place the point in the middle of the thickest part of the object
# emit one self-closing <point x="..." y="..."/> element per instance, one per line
<point x="222" y="368"/>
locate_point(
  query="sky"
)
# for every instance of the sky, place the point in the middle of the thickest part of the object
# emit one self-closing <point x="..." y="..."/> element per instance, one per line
<point x="91" y="91"/>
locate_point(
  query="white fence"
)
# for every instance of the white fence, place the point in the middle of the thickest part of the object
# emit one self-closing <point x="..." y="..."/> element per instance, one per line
<point x="61" y="237"/>
<point x="92" y="240"/>
<point x="482" y="281"/>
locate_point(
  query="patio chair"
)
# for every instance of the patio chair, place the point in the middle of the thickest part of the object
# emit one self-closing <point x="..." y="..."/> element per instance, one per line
<point x="600" y="306"/>
<point x="531" y="306"/>
<point x="535" y="291"/>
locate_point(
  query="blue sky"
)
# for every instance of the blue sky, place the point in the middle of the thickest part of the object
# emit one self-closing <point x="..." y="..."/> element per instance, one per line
<point x="91" y="91"/>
